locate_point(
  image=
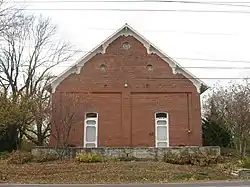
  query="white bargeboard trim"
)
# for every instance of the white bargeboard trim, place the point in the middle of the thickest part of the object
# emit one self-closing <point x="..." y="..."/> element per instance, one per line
<point x="127" y="30"/>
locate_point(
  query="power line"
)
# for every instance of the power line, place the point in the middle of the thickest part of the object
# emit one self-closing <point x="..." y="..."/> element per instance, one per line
<point x="145" y="1"/>
<point x="170" y="31"/>
<point x="190" y="67"/>
<point x="214" y="67"/>
<point x="208" y="78"/>
<point x="135" y="10"/>
<point x="174" y="31"/>
<point x="184" y="78"/>
<point x="183" y="58"/>
<point x="215" y="60"/>
<point x="140" y="1"/>
<point x="180" y="58"/>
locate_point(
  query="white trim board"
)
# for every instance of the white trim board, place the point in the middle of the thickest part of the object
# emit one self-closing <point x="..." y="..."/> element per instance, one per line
<point x="167" y="128"/>
<point x="127" y="30"/>
<point x="85" y="142"/>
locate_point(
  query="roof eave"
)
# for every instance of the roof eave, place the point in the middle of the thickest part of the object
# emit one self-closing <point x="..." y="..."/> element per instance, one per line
<point x="151" y="49"/>
<point x="203" y="88"/>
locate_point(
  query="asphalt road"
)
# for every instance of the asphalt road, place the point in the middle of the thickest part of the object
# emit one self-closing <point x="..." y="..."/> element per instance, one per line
<point x="198" y="184"/>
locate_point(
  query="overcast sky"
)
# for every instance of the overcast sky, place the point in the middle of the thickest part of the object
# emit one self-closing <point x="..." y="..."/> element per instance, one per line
<point x="195" y="35"/>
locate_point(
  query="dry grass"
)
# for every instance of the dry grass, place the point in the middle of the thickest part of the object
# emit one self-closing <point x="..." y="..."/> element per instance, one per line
<point x="111" y="172"/>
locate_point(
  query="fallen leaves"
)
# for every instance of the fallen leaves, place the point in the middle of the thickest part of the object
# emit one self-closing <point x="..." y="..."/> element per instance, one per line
<point x="68" y="171"/>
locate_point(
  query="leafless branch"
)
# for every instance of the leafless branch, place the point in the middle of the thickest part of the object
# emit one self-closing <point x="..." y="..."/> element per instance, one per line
<point x="232" y="110"/>
<point x="26" y="61"/>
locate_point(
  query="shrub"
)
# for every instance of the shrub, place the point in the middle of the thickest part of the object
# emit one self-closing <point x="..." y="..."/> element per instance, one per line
<point x="26" y="146"/>
<point x="204" y="159"/>
<point x="129" y="158"/>
<point x="177" y="158"/>
<point x="183" y="176"/>
<point x="229" y="152"/>
<point x="19" y="157"/>
<point x="45" y="157"/>
<point x="245" y="163"/>
<point x="197" y="158"/>
<point x="88" y="158"/>
<point x="202" y="176"/>
<point x="4" y="155"/>
<point x="214" y="135"/>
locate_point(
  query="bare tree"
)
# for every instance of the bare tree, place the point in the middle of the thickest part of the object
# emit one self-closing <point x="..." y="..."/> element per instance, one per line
<point x="232" y="107"/>
<point x="6" y="14"/>
<point x="10" y="16"/>
<point x="27" y="55"/>
<point x="39" y="130"/>
<point x="61" y="131"/>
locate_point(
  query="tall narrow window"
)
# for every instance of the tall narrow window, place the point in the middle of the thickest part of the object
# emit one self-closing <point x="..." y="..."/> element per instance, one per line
<point x="161" y="129"/>
<point x="90" y="130"/>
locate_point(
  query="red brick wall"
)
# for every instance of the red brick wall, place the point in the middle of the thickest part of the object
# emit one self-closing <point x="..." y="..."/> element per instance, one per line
<point x="126" y="115"/>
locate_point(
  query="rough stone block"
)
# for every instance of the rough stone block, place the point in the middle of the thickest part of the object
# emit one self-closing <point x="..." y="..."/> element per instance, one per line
<point x="147" y="153"/>
<point x="244" y="174"/>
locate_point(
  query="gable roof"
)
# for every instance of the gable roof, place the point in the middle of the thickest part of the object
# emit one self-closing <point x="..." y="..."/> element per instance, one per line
<point x="127" y="30"/>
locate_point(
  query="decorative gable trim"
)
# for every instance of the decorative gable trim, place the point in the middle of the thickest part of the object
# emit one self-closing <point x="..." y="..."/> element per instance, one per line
<point x="126" y="30"/>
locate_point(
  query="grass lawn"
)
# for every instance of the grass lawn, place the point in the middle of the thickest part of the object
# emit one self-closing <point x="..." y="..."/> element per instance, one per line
<point x="69" y="171"/>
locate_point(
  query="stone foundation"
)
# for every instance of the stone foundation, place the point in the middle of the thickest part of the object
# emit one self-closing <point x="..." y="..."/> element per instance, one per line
<point x="244" y="174"/>
<point x="146" y="153"/>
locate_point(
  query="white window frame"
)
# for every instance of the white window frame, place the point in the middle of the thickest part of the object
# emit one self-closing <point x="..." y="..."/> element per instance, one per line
<point x="167" y="125"/>
<point x="85" y="127"/>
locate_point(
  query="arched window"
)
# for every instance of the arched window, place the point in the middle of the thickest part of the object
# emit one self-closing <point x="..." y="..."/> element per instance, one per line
<point x="91" y="130"/>
<point x="161" y="129"/>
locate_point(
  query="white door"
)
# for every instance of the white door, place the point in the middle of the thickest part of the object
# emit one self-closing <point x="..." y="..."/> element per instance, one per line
<point x="161" y="130"/>
<point x="91" y="130"/>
